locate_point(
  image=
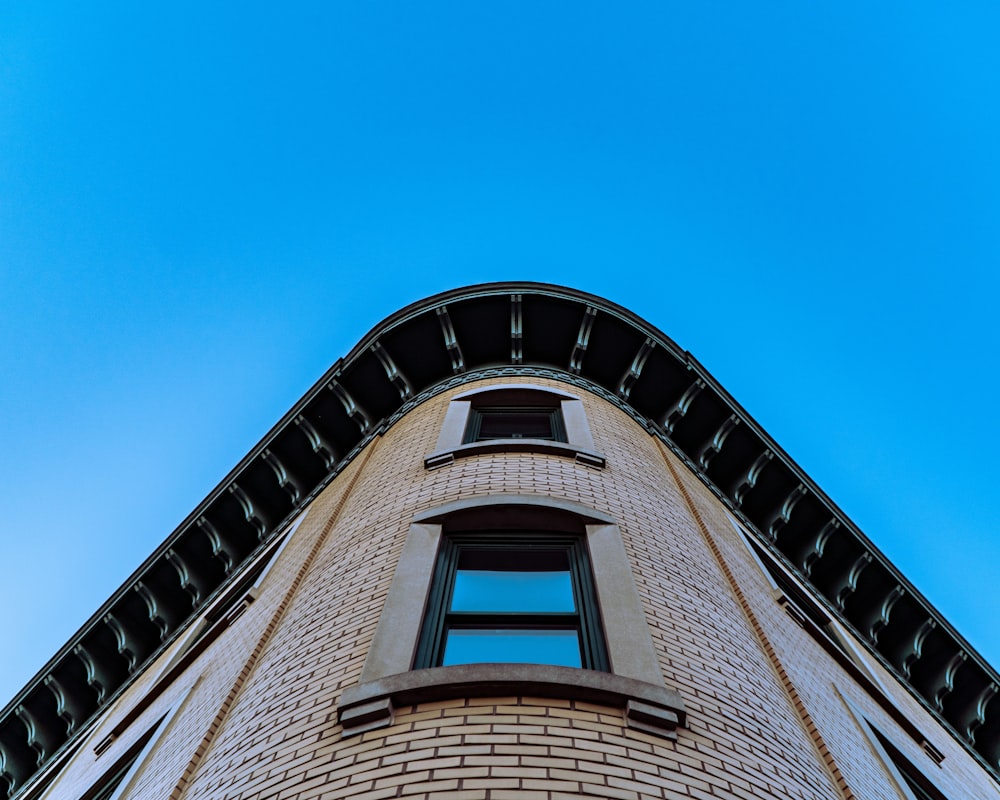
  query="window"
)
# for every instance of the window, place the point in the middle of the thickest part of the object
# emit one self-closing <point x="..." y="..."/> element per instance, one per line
<point x="503" y="598"/>
<point x="225" y="609"/>
<point x="228" y="605"/>
<point x="470" y="564"/>
<point x="911" y="783"/>
<point x="807" y="612"/>
<point x="511" y="422"/>
<point x="914" y="779"/>
<point x="108" y="785"/>
<point x="515" y="418"/>
<point x="116" y="779"/>
<point x="829" y="634"/>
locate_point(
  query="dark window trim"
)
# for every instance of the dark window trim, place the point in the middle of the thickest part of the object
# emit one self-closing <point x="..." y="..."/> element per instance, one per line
<point x="586" y="619"/>
<point x="479" y="414"/>
<point x="141" y="749"/>
<point x="578" y="443"/>
<point x="915" y="780"/>
<point x="909" y="779"/>
<point x="816" y="621"/>
<point x="109" y="783"/>
<point x="220" y="615"/>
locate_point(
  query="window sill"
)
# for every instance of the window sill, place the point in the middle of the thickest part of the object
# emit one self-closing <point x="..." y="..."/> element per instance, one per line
<point x="647" y="707"/>
<point x="586" y="457"/>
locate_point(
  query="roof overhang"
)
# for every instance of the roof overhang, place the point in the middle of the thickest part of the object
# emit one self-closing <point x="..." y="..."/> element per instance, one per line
<point x="448" y="340"/>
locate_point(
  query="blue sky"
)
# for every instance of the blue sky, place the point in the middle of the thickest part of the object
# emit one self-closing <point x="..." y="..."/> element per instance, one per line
<point x="201" y="208"/>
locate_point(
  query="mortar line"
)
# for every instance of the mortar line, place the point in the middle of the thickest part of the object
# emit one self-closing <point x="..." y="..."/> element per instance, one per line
<point x="251" y="662"/>
<point x="796" y="700"/>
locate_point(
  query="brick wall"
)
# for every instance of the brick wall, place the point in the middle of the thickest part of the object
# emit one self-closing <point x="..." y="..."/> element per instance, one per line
<point x="766" y="718"/>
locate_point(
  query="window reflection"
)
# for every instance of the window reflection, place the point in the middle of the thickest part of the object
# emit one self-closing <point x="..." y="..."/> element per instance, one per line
<point x="513" y="581"/>
<point x="506" y="646"/>
<point x="515" y="423"/>
<point x="512" y="597"/>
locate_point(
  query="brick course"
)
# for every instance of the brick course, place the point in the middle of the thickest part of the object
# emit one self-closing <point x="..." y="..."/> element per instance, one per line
<point x="766" y="718"/>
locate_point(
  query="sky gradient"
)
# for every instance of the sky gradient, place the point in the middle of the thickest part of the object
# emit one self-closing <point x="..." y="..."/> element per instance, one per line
<point x="202" y="209"/>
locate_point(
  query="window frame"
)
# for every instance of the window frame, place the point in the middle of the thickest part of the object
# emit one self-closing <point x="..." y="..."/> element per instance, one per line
<point x="791" y="595"/>
<point x="115" y="780"/>
<point x="908" y="778"/>
<point x="578" y="443"/>
<point x="918" y="784"/>
<point x="479" y="414"/>
<point x="127" y="766"/>
<point x="439" y="620"/>
<point x="634" y="682"/>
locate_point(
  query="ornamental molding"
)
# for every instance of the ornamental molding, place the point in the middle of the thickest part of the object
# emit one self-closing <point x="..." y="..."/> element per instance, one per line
<point x="507" y="330"/>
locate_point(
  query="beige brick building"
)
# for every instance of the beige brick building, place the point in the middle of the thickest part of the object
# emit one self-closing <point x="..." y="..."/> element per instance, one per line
<point x="517" y="544"/>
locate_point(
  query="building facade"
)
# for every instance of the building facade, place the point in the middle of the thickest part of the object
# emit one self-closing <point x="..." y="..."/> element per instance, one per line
<point x="517" y="544"/>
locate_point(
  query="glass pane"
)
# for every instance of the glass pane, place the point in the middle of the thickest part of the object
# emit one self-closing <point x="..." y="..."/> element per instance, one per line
<point x="481" y="646"/>
<point x="512" y="580"/>
<point x="484" y="590"/>
<point x="516" y="425"/>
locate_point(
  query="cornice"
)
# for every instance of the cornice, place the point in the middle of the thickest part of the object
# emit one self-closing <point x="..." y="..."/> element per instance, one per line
<point x="450" y="339"/>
